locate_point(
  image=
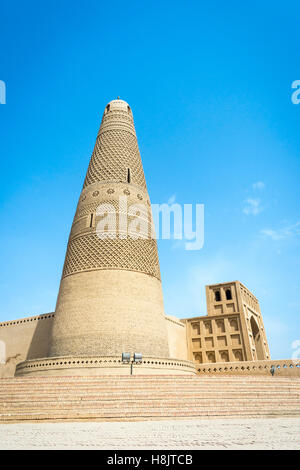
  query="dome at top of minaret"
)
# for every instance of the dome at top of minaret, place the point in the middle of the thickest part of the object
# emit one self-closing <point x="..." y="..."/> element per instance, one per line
<point x="117" y="105"/>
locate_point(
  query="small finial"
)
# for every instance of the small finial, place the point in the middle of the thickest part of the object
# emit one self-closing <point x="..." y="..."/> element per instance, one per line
<point x="118" y="98"/>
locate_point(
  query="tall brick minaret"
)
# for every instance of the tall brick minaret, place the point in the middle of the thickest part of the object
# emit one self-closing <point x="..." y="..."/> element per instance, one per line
<point x="110" y="297"/>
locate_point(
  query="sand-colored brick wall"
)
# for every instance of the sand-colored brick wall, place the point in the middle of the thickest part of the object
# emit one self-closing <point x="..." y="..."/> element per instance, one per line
<point x="29" y="338"/>
<point x="120" y="311"/>
<point x="233" y="329"/>
<point x="26" y="338"/>
<point x="217" y="338"/>
<point x="177" y="338"/>
<point x="281" y="368"/>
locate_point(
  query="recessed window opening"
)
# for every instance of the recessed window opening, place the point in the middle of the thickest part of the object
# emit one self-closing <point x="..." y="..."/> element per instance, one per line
<point x="91" y="221"/>
<point x="217" y="296"/>
<point x="128" y="175"/>
<point x="228" y="294"/>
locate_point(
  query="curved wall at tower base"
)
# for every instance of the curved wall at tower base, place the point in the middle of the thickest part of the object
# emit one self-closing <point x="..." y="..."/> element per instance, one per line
<point x="105" y="365"/>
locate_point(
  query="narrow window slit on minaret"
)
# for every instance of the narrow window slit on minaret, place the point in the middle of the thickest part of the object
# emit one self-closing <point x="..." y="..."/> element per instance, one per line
<point x="91" y="221"/>
<point x="128" y="175"/>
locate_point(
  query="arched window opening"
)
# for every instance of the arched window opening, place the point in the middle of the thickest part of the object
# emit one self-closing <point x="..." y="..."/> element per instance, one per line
<point x="217" y="296"/>
<point x="128" y="176"/>
<point x="128" y="109"/>
<point x="198" y="358"/>
<point x="108" y="107"/>
<point x="228" y="294"/>
<point x="254" y="327"/>
<point x="91" y="220"/>
<point x="238" y="355"/>
<point x="211" y="358"/>
<point x="224" y="356"/>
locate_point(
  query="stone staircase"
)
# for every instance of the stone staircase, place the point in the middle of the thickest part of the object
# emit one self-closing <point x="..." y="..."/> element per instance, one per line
<point x="146" y="397"/>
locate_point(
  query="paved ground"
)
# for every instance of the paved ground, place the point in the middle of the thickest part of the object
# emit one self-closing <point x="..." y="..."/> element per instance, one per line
<point x="277" y="433"/>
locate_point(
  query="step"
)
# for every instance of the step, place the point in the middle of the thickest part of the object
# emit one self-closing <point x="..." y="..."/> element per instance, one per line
<point x="146" y="397"/>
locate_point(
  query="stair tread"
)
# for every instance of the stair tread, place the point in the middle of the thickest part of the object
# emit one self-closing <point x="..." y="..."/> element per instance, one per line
<point x="146" y="397"/>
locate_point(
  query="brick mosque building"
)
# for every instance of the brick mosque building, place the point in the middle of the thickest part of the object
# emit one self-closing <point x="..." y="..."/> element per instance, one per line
<point x="110" y="298"/>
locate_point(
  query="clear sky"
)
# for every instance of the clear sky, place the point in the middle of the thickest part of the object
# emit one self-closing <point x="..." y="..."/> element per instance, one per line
<point x="209" y="84"/>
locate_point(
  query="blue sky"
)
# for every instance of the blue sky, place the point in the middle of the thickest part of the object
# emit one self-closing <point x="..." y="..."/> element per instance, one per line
<point x="210" y="88"/>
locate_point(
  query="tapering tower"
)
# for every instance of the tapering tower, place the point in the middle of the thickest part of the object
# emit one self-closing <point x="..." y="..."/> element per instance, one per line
<point x="110" y="298"/>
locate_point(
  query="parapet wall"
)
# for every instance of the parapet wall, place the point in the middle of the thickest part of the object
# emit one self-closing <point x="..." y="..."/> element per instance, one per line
<point x="282" y="368"/>
<point x="106" y="365"/>
<point x="23" y="339"/>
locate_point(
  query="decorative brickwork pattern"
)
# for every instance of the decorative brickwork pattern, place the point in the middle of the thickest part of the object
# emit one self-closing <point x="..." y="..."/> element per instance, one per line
<point x="282" y="368"/>
<point x="44" y="316"/>
<point x="86" y="363"/>
<point x="89" y="252"/>
<point x="116" y="150"/>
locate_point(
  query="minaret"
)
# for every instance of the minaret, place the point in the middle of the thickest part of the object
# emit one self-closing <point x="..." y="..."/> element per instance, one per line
<point x="110" y="298"/>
